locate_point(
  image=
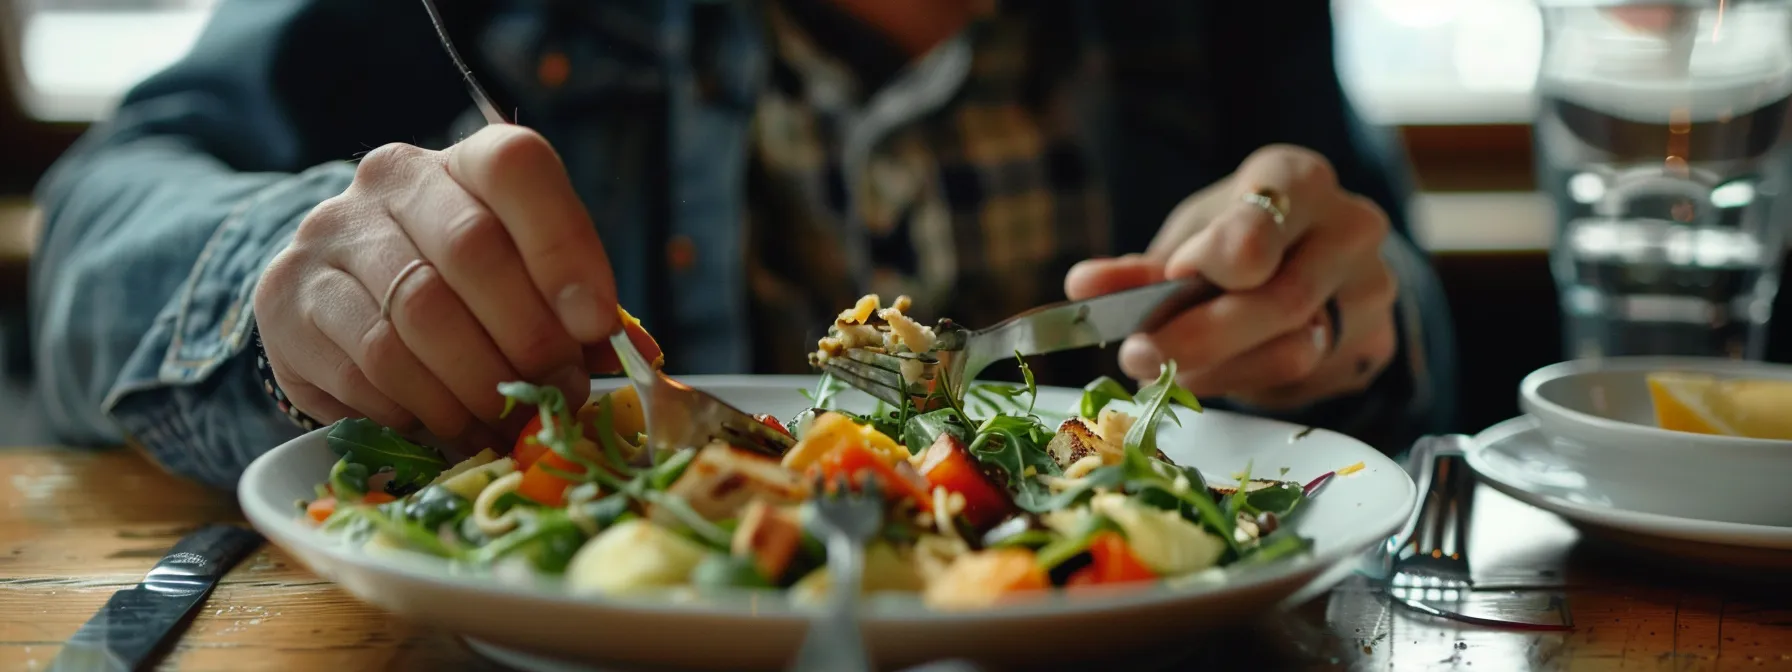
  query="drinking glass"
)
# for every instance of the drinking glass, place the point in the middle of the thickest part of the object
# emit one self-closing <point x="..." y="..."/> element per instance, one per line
<point x="1661" y="138"/>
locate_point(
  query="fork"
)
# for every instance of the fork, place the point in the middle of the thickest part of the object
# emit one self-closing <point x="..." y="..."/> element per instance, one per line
<point x="1431" y="572"/>
<point x="680" y="416"/>
<point x="960" y="354"/>
<point x="848" y="519"/>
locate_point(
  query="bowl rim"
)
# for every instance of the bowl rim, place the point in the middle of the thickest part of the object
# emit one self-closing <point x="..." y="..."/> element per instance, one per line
<point x="1553" y="416"/>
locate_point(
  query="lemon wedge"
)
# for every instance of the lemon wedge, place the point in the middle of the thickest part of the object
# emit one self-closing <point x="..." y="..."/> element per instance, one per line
<point x="1706" y="404"/>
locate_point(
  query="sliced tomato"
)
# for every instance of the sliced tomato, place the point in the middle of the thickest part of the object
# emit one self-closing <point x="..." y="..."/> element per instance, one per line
<point x="856" y="461"/>
<point x="603" y="359"/>
<point x="769" y="421"/>
<point x="948" y="464"/>
<point x="321" y="508"/>
<point x="527" y="450"/>
<point x="1111" y="562"/>
<point x="544" y="487"/>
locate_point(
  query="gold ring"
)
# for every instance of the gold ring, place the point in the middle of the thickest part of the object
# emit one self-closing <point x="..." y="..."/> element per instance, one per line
<point x="1272" y="202"/>
<point x="392" y="289"/>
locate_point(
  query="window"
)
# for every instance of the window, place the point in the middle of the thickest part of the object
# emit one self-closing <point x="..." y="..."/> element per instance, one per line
<point x="76" y="57"/>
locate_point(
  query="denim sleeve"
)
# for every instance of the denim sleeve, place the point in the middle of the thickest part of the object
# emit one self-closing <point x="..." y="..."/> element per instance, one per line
<point x="159" y="222"/>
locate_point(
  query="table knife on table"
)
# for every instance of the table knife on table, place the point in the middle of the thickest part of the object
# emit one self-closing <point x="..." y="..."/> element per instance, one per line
<point x="136" y="622"/>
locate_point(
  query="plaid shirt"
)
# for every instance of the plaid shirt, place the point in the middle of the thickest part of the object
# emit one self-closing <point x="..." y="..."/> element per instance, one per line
<point x="975" y="205"/>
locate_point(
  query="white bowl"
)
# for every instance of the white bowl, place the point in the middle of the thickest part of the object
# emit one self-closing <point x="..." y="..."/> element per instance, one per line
<point x="1350" y="515"/>
<point x="1601" y="423"/>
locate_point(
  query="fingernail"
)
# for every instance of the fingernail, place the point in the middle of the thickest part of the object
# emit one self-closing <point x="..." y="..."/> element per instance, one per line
<point x="577" y="306"/>
<point x="1139" y="359"/>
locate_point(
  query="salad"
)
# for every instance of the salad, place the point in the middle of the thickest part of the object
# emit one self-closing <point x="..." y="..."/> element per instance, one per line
<point x="987" y="499"/>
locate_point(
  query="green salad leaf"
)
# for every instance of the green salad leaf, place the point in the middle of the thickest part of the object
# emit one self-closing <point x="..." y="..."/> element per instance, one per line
<point x="1280" y="499"/>
<point x="1099" y="393"/>
<point x="368" y="447"/>
<point x="1016" y="445"/>
<point x="921" y="431"/>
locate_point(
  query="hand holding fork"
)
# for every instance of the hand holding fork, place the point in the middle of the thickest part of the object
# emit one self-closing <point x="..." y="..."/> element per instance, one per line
<point x="960" y="354"/>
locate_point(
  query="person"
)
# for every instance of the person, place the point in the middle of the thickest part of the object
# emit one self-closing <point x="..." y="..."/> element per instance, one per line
<point x="306" y="218"/>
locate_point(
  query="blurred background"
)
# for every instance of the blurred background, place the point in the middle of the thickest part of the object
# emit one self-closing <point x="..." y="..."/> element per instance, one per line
<point x="1455" y="77"/>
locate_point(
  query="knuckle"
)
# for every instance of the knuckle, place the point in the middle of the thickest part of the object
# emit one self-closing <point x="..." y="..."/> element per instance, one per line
<point x="1303" y="165"/>
<point x="471" y="237"/>
<point x="424" y="298"/>
<point x="1297" y="295"/>
<point x="541" y="349"/>
<point x="1365" y="216"/>
<point x="381" y="353"/>
<point x="1294" y="366"/>
<point x="1383" y="287"/>
<point x="387" y="160"/>
<point x="447" y="422"/>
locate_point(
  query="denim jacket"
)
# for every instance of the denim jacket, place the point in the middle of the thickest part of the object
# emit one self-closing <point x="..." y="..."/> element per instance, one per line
<point x="160" y="220"/>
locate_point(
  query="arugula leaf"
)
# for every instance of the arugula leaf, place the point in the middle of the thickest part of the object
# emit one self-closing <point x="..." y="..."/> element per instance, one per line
<point x="436" y="506"/>
<point x="1235" y="501"/>
<point x="661" y="475"/>
<point x="1014" y="444"/>
<point x="1280" y="544"/>
<point x="1099" y="393"/>
<point x="1280" y="499"/>
<point x="1026" y="372"/>
<point x="1110" y="477"/>
<point x="921" y="431"/>
<point x="365" y="443"/>
<point x="825" y="389"/>
<point x="1154" y="404"/>
<point x="548" y="540"/>
<point x="348" y="480"/>
<point x="388" y="519"/>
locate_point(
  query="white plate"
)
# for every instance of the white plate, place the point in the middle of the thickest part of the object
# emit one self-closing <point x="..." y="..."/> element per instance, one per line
<point x="1517" y="459"/>
<point x="1351" y="514"/>
<point x="1603" y="424"/>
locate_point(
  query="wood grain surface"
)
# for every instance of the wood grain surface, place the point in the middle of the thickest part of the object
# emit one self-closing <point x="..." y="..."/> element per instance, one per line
<point x="77" y="526"/>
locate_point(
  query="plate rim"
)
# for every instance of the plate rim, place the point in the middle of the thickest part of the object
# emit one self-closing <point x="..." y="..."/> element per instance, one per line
<point x="1639" y="522"/>
<point x="281" y="526"/>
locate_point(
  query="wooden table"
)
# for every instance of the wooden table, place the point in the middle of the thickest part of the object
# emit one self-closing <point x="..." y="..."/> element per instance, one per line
<point x="77" y="526"/>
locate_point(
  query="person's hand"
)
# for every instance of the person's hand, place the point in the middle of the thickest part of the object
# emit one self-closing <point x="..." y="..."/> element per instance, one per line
<point x="434" y="277"/>
<point x="1269" y="341"/>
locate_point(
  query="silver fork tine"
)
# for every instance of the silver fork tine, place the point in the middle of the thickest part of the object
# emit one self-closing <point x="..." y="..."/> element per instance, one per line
<point x="877" y="390"/>
<point x="880" y="376"/>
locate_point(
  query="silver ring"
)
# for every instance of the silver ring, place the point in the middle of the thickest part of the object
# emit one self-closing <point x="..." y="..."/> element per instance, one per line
<point x="1272" y="202"/>
<point x="392" y="289"/>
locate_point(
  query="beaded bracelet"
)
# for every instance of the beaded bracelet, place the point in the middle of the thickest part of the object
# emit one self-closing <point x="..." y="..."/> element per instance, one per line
<point x="272" y="387"/>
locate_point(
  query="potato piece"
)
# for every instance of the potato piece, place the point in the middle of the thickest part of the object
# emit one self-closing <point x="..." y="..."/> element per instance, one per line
<point x="469" y="483"/>
<point x="1160" y="538"/>
<point x="885" y="571"/>
<point x="633" y="555"/>
<point x="722" y="480"/>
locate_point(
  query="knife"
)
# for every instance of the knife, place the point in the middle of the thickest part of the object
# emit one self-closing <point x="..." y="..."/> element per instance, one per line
<point x="127" y="632"/>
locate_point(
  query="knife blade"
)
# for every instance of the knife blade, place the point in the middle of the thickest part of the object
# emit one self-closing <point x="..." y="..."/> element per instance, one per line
<point x="135" y="622"/>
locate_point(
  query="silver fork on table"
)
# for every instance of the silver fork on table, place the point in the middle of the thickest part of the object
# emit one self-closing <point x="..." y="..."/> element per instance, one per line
<point x="680" y="416"/>
<point x="1428" y="562"/>
<point x="848" y="518"/>
<point x="960" y="354"/>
